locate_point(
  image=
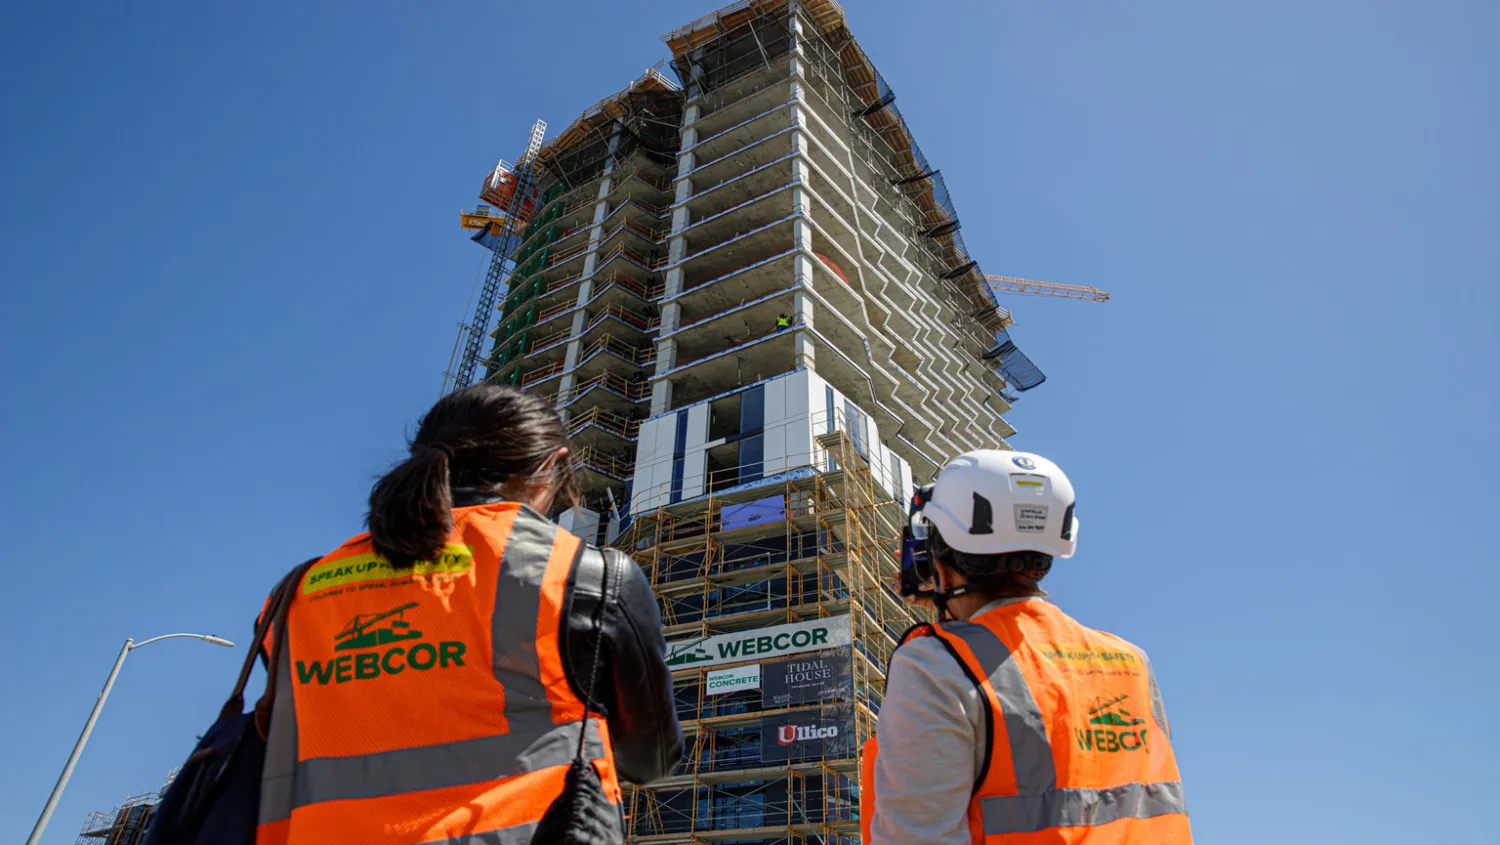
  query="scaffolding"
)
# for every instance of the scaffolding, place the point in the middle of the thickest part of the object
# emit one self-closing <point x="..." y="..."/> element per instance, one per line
<point x="125" y="824"/>
<point x="820" y="542"/>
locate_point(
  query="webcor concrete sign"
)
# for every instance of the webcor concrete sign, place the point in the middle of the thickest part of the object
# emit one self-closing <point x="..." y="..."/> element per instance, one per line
<point x="739" y="678"/>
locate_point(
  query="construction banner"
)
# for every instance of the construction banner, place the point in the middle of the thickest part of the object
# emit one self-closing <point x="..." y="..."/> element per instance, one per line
<point x="812" y="679"/>
<point x="827" y="732"/>
<point x="775" y="641"/>
<point x="739" y="678"/>
<point x="759" y="512"/>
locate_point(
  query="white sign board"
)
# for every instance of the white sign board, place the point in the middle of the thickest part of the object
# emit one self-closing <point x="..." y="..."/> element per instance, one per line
<point x="761" y="643"/>
<point x="739" y="678"/>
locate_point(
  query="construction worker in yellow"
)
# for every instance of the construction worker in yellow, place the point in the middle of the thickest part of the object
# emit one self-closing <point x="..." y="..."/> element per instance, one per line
<point x="1007" y="721"/>
<point x="783" y="321"/>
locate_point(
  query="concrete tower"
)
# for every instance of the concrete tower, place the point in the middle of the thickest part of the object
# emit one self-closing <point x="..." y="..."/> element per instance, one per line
<point x="746" y="290"/>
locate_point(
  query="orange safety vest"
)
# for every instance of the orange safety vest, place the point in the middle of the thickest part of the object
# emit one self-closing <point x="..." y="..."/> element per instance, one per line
<point x="1080" y="752"/>
<point x="429" y="705"/>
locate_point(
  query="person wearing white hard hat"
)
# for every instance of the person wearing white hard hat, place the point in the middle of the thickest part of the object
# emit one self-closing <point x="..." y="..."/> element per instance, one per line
<point x="1008" y="721"/>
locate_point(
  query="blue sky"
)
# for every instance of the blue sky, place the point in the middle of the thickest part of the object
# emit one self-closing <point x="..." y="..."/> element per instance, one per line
<point x="230" y="269"/>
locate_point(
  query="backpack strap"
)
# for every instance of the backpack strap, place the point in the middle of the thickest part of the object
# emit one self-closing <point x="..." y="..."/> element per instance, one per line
<point x="604" y="587"/>
<point x="278" y="617"/>
<point x="235" y="705"/>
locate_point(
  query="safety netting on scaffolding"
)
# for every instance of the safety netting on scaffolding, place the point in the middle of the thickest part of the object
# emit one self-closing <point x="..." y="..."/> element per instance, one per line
<point x="924" y="184"/>
<point x="1013" y="365"/>
<point x="743" y="43"/>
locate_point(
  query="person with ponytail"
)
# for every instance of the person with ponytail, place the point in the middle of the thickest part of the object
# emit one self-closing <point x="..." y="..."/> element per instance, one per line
<point x="454" y="672"/>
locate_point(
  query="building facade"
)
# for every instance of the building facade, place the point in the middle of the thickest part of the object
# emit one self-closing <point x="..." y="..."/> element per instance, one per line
<point x="745" y="288"/>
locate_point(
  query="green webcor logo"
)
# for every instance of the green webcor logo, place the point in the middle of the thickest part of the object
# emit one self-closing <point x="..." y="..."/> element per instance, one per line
<point x="1115" y="729"/>
<point x="372" y="631"/>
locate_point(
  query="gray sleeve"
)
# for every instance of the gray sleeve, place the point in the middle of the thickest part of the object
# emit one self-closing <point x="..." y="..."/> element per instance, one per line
<point x="930" y="731"/>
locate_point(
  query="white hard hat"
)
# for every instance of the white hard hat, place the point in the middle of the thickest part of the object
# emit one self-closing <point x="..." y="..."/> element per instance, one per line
<point x="990" y="501"/>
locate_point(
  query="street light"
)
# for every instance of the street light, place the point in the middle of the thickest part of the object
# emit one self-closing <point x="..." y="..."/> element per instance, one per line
<point x="88" y="727"/>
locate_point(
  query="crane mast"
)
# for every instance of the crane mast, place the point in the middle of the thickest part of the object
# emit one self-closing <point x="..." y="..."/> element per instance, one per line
<point x="515" y="188"/>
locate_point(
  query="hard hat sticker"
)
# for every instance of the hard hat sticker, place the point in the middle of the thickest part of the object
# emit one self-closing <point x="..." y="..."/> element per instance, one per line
<point x="1031" y="519"/>
<point x="1024" y="463"/>
<point x="1033" y="485"/>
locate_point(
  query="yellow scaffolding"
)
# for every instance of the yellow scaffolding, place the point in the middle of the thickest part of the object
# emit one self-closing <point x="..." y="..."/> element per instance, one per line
<point x="841" y="535"/>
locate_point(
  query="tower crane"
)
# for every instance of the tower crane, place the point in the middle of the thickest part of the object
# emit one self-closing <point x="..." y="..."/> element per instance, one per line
<point x="1010" y="284"/>
<point x="512" y="190"/>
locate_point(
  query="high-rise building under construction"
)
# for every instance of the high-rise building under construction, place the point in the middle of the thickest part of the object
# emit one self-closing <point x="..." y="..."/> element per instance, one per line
<point x="745" y="288"/>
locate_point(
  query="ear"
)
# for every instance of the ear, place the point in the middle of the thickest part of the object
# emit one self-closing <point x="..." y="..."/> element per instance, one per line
<point x="947" y="577"/>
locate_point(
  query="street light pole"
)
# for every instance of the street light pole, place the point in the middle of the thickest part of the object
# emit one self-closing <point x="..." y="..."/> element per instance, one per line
<point x="88" y="727"/>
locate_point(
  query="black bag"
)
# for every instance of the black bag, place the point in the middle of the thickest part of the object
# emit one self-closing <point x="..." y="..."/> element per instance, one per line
<point x="583" y="814"/>
<point x="215" y="798"/>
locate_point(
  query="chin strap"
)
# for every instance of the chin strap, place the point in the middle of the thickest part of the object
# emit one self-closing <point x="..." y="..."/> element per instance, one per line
<point x="941" y="597"/>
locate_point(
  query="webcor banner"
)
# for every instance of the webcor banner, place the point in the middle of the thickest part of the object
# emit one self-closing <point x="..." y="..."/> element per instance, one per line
<point x="826" y="732"/>
<point x="739" y="678"/>
<point x="810" y="679"/>
<point x="775" y="641"/>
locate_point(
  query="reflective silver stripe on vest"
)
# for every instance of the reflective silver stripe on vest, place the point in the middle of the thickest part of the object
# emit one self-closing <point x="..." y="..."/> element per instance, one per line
<point x="533" y="742"/>
<point x="1025" y="730"/>
<point x="518" y="602"/>
<point x="1158" y="710"/>
<point x="281" y="748"/>
<point x="437" y="766"/>
<point x="519" y="835"/>
<point x="1080" y="807"/>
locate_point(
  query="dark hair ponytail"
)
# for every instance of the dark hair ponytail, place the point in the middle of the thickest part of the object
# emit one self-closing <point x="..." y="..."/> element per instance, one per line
<point x="482" y="438"/>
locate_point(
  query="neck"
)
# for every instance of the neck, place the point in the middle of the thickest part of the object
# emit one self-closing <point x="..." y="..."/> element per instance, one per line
<point x="968" y="604"/>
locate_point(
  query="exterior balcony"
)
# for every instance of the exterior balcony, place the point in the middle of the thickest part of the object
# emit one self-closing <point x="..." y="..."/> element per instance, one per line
<point x="709" y="172"/>
<point x="560" y="236"/>
<point x="737" y="253"/>
<point x="604" y="429"/>
<point x="639" y="234"/>
<point x="830" y="148"/>
<point x="600" y="469"/>
<point x="624" y="395"/>
<point x="528" y="351"/>
<point x="742" y="179"/>
<point x="735" y="326"/>
<point x="557" y="264"/>
<point x="649" y="185"/>
<point x="736" y="289"/>
<point x="540" y="379"/>
<point x="618" y="290"/>
<point x="748" y="94"/>
<point x="611" y="353"/>
<point x="746" y="215"/>
<point x="555" y="292"/>
<point x="569" y="202"/>
<point x="616" y="294"/>
<point x="620" y="321"/>
<point x="755" y="358"/>
<point x="631" y="260"/>
<point x="624" y="202"/>
<point x="740" y="136"/>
